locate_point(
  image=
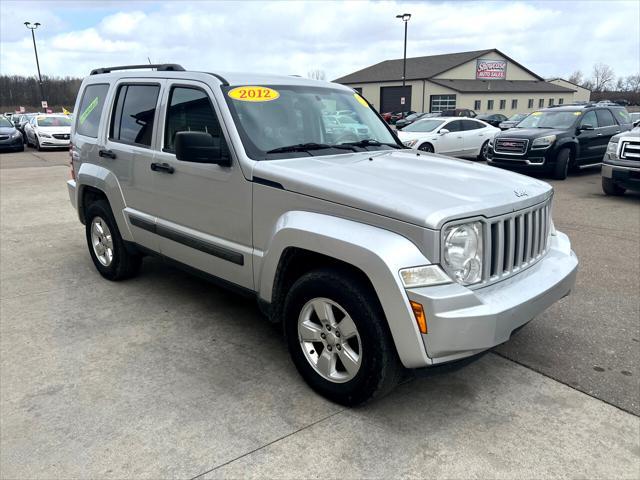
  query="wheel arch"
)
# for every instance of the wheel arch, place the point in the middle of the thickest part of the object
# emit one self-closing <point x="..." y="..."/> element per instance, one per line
<point x="95" y="182"/>
<point x="303" y="241"/>
<point x="574" y="150"/>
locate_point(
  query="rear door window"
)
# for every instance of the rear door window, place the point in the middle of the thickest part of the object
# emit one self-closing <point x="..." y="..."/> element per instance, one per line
<point x="471" y="125"/>
<point x="605" y="119"/>
<point x="91" y="105"/>
<point x="134" y="114"/>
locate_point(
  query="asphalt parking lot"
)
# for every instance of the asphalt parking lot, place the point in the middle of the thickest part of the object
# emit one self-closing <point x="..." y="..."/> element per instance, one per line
<point x="166" y="375"/>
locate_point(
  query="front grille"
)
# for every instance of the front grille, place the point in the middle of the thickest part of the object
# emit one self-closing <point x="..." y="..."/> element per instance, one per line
<point x="514" y="146"/>
<point x="4" y="137"/>
<point x="515" y="241"/>
<point x="630" y="150"/>
<point x="61" y="136"/>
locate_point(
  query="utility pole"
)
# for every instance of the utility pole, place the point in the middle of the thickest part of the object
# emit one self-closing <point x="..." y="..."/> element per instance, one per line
<point x="35" y="49"/>
<point x="405" y="17"/>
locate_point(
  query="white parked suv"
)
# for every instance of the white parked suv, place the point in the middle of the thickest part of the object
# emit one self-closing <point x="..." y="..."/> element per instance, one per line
<point x="374" y="257"/>
<point x="454" y="136"/>
<point x="48" y="131"/>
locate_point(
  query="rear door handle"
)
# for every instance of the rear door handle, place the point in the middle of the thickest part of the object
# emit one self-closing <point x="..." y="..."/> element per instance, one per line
<point x="599" y="134"/>
<point x="107" y="153"/>
<point x="162" y="167"/>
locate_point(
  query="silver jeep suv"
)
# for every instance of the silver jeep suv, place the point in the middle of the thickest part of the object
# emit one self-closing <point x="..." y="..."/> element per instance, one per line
<point x="374" y="257"/>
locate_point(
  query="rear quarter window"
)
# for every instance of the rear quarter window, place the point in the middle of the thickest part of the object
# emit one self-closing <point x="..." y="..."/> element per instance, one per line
<point x="91" y="105"/>
<point x="621" y="115"/>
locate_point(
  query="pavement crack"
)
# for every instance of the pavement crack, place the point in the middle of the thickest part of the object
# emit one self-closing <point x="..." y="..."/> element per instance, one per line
<point x="267" y="444"/>
<point x="544" y="374"/>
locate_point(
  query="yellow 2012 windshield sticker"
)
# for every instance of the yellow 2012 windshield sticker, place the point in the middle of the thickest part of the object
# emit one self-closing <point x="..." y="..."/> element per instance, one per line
<point x="361" y="100"/>
<point x="253" y="94"/>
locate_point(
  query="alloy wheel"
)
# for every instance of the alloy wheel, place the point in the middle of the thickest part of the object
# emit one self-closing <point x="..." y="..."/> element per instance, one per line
<point x="102" y="241"/>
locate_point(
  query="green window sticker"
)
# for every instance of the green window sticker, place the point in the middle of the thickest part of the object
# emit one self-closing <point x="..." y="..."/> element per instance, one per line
<point x="90" y="108"/>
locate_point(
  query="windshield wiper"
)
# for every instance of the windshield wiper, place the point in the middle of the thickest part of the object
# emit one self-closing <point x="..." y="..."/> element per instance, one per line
<point x="370" y="142"/>
<point x="303" y="147"/>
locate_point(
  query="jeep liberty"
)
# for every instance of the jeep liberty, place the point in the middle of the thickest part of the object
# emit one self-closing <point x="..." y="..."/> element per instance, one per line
<point x="373" y="257"/>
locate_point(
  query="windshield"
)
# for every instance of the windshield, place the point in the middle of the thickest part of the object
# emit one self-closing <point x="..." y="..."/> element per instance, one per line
<point x="426" y="125"/>
<point x="549" y="120"/>
<point x="275" y="117"/>
<point x="54" y="122"/>
<point x="5" y="123"/>
<point x="517" y="117"/>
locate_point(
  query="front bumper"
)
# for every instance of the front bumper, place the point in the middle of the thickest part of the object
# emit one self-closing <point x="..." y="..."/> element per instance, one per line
<point x="11" y="143"/>
<point x="626" y="176"/>
<point x="53" y="142"/>
<point x="532" y="159"/>
<point x="462" y="322"/>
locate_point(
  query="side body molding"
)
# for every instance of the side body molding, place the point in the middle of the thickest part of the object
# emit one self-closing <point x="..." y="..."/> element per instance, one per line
<point x="379" y="253"/>
<point x="102" y="179"/>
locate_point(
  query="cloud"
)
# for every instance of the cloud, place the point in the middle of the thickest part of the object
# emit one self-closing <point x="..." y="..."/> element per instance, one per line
<point x="551" y="38"/>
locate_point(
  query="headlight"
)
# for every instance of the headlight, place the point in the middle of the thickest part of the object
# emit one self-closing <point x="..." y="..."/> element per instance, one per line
<point x="463" y="252"/>
<point x="45" y="135"/>
<point x="410" y="143"/>
<point x="544" y="142"/>
<point x="16" y="134"/>
<point x="424" y="276"/>
<point x="612" y="149"/>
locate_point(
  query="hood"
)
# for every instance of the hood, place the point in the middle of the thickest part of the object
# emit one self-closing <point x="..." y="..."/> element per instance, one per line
<point x="422" y="189"/>
<point x="54" y="129"/>
<point x="7" y="130"/>
<point x="634" y="134"/>
<point x="530" y="133"/>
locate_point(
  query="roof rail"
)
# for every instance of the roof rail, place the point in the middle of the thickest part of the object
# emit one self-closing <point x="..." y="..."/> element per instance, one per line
<point x="161" y="67"/>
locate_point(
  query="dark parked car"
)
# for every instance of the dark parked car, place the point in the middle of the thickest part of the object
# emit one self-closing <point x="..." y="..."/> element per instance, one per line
<point x="557" y="139"/>
<point x="459" y="112"/>
<point x="21" y="121"/>
<point x="10" y="137"/>
<point x="494" y="119"/>
<point x="512" y="121"/>
<point x="403" y="122"/>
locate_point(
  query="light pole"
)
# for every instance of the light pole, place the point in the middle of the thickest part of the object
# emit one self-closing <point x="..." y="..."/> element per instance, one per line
<point x="33" y="36"/>
<point x="405" y="17"/>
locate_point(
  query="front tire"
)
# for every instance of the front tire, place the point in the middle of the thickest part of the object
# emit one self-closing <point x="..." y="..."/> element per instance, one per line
<point x="609" y="187"/>
<point x="37" y="144"/>
<point x="106" y="246"/>
<point x="426" y="147"/>
<point x="338" y="337"/>
<point x="483" y="151"/>
<point x="561" y="170"/>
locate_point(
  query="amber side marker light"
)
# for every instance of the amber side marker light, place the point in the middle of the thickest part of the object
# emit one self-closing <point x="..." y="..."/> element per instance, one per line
<point x="421" y="318"/>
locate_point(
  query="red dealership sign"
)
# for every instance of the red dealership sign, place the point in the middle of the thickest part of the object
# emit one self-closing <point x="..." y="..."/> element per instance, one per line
<point x="492" y="69"/>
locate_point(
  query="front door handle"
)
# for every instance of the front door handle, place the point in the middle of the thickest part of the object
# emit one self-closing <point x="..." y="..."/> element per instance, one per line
<point x="107" y="153"/>
<point x="162" y="167"/>
<point x="599" y="134"/>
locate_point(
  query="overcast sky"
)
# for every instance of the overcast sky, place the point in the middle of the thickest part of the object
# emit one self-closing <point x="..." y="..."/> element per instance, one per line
<point x="551" y="38"/>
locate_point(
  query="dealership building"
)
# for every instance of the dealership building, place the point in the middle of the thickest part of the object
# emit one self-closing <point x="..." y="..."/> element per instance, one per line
<point x="486" y="81"/>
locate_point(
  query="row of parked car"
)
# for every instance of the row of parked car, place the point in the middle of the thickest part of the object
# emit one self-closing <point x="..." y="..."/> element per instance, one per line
<point x="34" y="129"/>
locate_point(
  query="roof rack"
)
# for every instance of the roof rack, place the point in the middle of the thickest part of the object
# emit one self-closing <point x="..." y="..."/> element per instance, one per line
<point x="161" y="67"/>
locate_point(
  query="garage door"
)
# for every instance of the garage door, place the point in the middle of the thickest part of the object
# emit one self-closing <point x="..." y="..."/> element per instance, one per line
<point x="395" y="99"/>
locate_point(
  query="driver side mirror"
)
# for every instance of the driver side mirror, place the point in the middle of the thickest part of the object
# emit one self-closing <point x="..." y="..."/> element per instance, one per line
<point x="202" y="147"/>
<point x="443" y="131"/>
<point x="586" y="126"/>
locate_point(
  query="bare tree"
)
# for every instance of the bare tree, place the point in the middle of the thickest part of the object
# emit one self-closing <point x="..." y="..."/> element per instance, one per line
<point x="316" y="74"/>
<point x="576" y="77"/>
<point x="632" y="83"/>
<point x="621" y="85"/>
<point x="602" y="77"/>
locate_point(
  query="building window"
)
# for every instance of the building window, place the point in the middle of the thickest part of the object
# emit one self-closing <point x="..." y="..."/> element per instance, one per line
<point x="514" y="104"/>
<point x="541" y="103"/>
<point x="560" y="101"/>
<point x="530" y="104"/>
<point x="476" y="105"/>
<point x="442" y="102"/>
<point x="551" y="102"/>
<point x="489" y="104"/>
<point x="503" y="104"/>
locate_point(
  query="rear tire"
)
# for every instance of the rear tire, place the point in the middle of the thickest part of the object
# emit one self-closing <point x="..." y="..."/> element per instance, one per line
<point x="352" y="306"/>
<point x="426" y="147"/>
<point x="561" y="170"/>
<point x="609" y="187"/>
<point x="483" y="151"/>
<point x="106" y="246"/>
